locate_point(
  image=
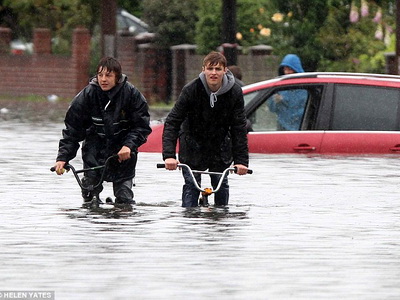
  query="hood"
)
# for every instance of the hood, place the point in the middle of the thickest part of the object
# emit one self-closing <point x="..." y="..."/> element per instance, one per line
<point x="227" y="83"/>
<point x="123" y="78"/>
<point x="292" y="61"/>
<point x="111" y="93"/>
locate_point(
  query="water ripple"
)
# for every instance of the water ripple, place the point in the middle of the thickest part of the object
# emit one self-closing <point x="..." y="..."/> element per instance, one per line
<point x="300" y="227"/>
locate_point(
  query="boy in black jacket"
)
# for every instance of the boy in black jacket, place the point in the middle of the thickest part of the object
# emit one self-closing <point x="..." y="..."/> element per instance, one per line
<point x="111" y="117"/>
<point x="209" y="120"/>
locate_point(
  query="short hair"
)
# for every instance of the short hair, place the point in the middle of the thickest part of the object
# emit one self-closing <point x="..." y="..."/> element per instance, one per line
<point x="236" y="71"/>
<point x="214" y="58"/>
<point x="111" y="65"/>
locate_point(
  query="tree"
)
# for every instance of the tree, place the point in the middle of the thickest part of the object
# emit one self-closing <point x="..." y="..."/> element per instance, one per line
<point x="173" y="21"/>
<point x="323" y="33"/>
<point x="208" y="26"/>
<point x="61" y="16"/>
<point x="298" y="29"/>
<point x="319" y="31"/>
<point x="135" y="7"/>
<point x="356" y="35"/>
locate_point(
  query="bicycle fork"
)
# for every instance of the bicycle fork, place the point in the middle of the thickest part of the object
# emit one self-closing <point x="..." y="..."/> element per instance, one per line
<point x="203" y="201"/>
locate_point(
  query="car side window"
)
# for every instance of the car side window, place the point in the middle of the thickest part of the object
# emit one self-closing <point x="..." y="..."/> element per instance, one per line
<point x="281" y="110"/>
<point x="262" y="119"/>
<point x="365" y="108"/>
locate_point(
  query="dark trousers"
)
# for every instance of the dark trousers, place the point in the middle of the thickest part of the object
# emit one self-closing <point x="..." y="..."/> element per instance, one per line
<point x="190" y="194"/>
<point x="122" y="190"/>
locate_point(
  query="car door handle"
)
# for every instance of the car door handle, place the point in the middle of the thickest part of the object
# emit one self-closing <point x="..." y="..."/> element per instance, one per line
<point x="395" y="148"/>
<point x="304" y="147"/>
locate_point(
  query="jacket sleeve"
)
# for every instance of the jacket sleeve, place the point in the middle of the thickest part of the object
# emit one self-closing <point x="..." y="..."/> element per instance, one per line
<point x="140" y="128"/>
<point x="240" y="149"/>
<point x="77" y="119"/>
<point x="173" y="124"/>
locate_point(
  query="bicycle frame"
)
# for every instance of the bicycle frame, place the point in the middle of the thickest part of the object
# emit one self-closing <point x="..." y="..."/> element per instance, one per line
<point x="94" y="203"/>
<point x="203" y="201"/>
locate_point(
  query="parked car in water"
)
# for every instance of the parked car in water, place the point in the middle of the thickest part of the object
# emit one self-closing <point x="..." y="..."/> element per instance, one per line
<point x="340" y="113"/>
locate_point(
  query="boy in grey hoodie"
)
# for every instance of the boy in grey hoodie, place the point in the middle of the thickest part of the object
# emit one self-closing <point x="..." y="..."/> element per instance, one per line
<point x="209" y="121"/>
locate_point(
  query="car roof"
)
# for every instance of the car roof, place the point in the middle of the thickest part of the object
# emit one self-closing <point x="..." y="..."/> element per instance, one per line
<point x="328" y="77"/>
<point x="131" y="20"/>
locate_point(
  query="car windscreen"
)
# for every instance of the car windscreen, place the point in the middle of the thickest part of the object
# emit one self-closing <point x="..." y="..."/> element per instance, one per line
<point x="360" y="107"/>
<point x="250" y="96"/>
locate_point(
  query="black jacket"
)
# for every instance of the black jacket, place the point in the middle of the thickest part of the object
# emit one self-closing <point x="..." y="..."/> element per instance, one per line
<point x="209" y="137"/>
<point x="106" y="121"/>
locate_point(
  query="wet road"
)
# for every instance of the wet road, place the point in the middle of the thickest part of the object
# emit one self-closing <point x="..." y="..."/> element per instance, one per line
<point x="298" y="228"/>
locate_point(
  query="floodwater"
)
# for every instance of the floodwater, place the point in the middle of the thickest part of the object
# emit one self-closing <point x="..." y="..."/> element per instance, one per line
<point x="298" y="228"/>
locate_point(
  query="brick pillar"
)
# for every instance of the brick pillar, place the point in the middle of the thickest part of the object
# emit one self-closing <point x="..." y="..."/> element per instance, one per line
<point x="179" y="61"/>
<point x="41" y="41"/>
<point x="154" y="81"/>
<point x="81" y="57"/>
<point x="126" y="55"/>
<point x="5" y="39"/>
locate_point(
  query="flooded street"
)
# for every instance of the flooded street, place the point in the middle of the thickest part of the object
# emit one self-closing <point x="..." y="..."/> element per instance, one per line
<point x="298" y="228"/>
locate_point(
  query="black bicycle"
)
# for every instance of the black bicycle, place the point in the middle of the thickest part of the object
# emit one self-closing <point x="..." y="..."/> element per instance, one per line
<point x="91" y="188"/>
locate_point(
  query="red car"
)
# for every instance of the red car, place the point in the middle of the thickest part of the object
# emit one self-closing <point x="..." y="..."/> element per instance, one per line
<point x="319" y="113"/>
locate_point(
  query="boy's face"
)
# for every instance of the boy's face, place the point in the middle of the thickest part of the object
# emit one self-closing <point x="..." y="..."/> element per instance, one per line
<point x="107" y="80"/>
<point x="287" y="70"/>
<point x="214" y="75"/>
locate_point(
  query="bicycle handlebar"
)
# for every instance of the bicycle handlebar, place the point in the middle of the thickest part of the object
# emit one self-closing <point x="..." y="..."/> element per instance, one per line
<point x="234" y="169"/>
<point x="223" y="175"/>
<point x="76" y="172"/>
<point x="68" y="166"/>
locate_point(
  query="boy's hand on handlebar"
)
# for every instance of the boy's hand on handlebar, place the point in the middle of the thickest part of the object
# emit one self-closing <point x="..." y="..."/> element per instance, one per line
<point x="278" y="98"/>
<point x="241" y="169"/>
<point x="124" y="153"/>
<point x="59" y="167"/>
<point x="171" y="164"/>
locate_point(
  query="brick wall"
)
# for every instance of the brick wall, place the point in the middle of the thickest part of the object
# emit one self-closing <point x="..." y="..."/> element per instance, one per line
<point x="5" y="39"/>
<point x="159" y="74"/>
<point x="43" y="73"/>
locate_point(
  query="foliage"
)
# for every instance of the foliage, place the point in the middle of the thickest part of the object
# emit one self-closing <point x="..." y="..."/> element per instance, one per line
<point x="356" y="44"/>
<point x="252" y="17"/>
<point x="135" y="7"/>
<point x="208" y="26"/>
<point x="294" y="27"/>
<point x="319" y="31"/>
<point x="328" y="35"/>
<point x="172" y="20"/>
<point x="61" y="16"/>
<point x="7" y="17"/>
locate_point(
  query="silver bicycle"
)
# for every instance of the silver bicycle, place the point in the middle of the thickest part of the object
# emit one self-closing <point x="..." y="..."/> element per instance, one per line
<point x="205" y="192"/>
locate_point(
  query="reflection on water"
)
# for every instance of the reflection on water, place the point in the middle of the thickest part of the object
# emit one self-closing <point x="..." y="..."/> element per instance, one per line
<point x="298" y="228"/>
<point x="213" y="213"/>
